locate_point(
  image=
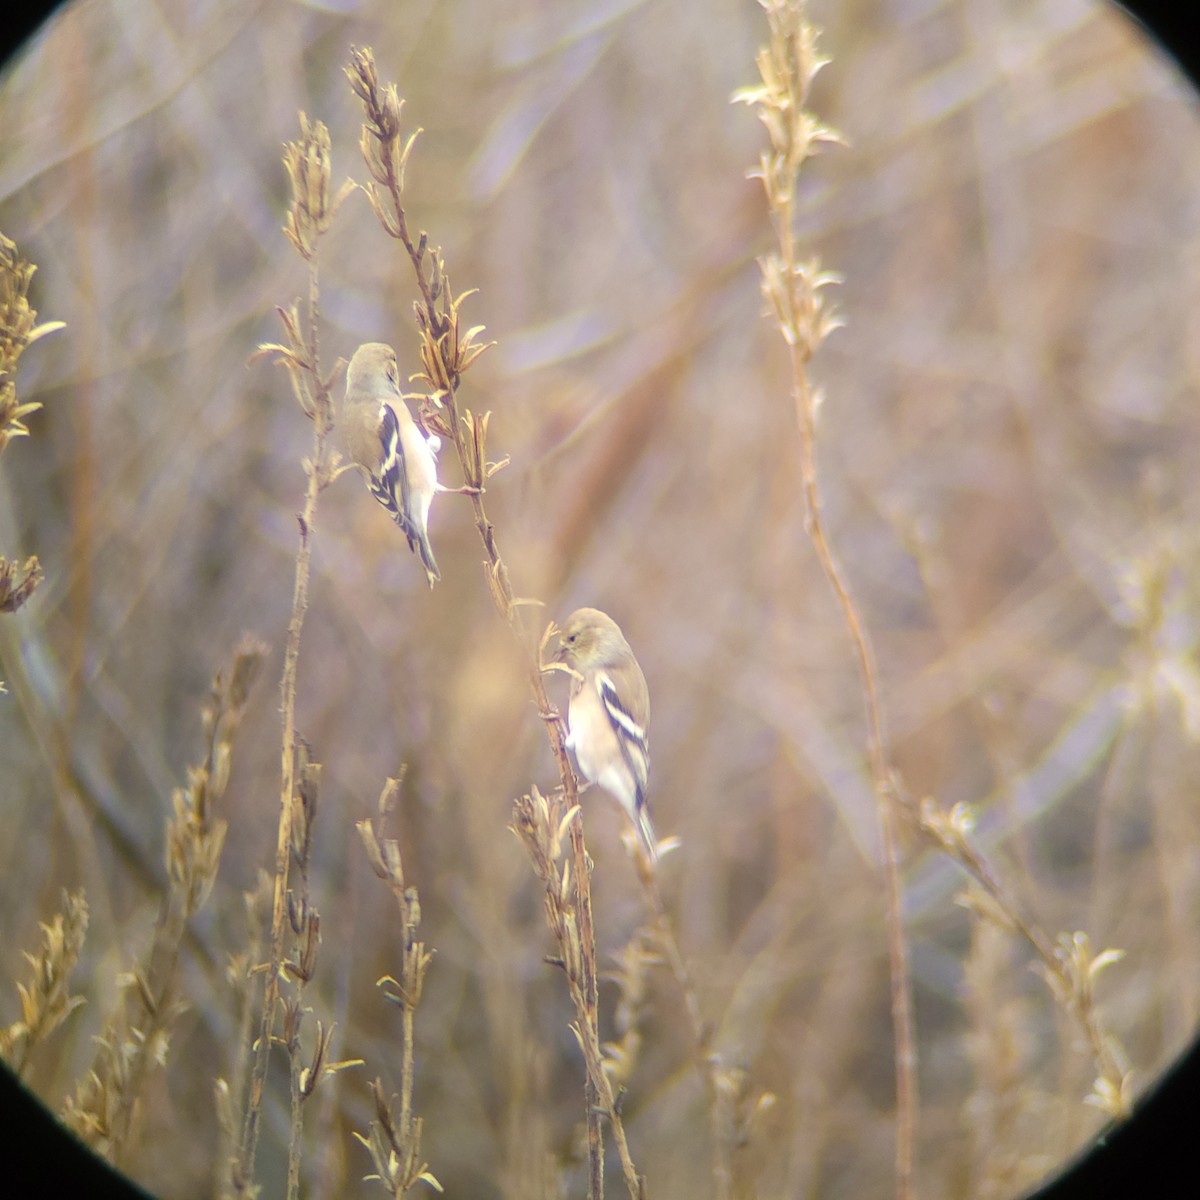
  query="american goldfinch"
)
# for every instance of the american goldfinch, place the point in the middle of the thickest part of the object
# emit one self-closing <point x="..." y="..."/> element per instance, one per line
<point x="608" y="712"/>
<point x="380" y="435"/>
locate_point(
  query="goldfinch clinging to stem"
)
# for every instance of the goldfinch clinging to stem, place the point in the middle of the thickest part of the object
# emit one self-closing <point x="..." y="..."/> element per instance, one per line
<point x="398" y="458"/>
<point x="608" y="713"/>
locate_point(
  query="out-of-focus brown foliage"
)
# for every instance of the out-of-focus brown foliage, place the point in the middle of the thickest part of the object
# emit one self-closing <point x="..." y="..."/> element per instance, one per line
<point x="1006" y="444"/>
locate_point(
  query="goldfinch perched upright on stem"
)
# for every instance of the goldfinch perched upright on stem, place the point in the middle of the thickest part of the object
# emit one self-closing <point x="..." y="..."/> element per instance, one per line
<point x="608" y="712"/>
<point x="380" y="435"/>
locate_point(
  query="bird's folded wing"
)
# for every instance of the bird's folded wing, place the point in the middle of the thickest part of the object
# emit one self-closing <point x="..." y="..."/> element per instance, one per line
<point x="390" y="486"/>
<point x="631" y="736"/>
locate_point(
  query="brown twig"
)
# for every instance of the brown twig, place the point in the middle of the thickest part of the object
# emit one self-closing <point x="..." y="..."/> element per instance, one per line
<point x="788" y="65"/>
<point x="542" y="822"/>
<point x="46" y="1002"/>
<point x="447" y="350"/>
<point x="394" y="1138"/>
<point x="18" y="330"/>
<point x="311" y="211"/>
<point x="1069" y="968"/>
<point x="794" y="292"/>
<point x="305" y="924"/>
<point x="706" y="1060"/>
<point x="101" y="1110"/>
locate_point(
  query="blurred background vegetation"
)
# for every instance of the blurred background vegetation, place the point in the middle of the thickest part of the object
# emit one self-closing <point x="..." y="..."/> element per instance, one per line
<point x="1008" y="444"/>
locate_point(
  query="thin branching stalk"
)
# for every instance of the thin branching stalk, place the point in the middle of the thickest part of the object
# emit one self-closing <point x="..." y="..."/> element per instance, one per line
<point x="46" y="1001"/>
<point x="998" y="1047"/>
<point x="794" y="292"/>
<point x="724" y="1086"/>
<point x="793" y="289"/>
<point x="244" y="980"/>
<point x="542" y="823"/>
<point x="1070" y="967"/>
<point x="630" y="976"/>
<point x="309" y="216"/>
<point x="394" y="1138"/>
<point x="305" y="925"/>
<point x="447" y="350"/>
<point x="18" y="330"/>
<point x="136" y="1037"/>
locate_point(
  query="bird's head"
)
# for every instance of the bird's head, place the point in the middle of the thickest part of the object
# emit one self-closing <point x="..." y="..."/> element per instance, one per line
<point x="589" y="637"/>
<point x="373" y="369"/>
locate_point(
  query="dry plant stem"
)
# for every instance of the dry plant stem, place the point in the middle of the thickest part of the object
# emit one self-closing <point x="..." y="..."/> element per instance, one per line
<point x="541" y="822"/>
<point x="394" y="1141"/>
<point x="101" y="1109"/>
<point x="305" y="925"/>
<point x="47" y="1001"/>
<point x="18" y="330"/>
<point x="446" y="352"/>
<point x="881" y="777"/>
<point x="1068" y="969"/>
<point x="311" y="211"/>
<point x="902" y="1019"/>
<point x="722" y="1133"/>
<point x="291" y="660"/>
<point x="230" y="1095"/>
<point x="788" y="65"/>
<point x="597" y="1094"/>
<point x="296" y="1122"/>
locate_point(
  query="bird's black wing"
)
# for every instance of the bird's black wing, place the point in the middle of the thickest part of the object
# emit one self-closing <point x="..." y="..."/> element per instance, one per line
<point x="631" y="737"/>
<point x="390" y="486"/>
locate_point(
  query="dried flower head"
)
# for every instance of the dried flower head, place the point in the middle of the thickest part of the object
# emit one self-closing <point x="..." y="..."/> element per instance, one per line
<point x="18" y="329"/>
<point x="46" y="1001"/>
<point x="306" y="161"/>
<point x="17" y="582"/>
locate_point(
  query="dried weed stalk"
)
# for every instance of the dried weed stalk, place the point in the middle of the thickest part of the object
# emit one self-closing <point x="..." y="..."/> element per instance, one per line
<point x="1069" y="966"/>
<point x="46" y="1002"/>
<point x="137" y="1034"/>
<point x="304" y="922"/>
<point x="18" y="581"/>
<point x="310" y="213"/>
<point x="18" y="330"/>
<point x="541" y="822"/>
<point x="999" y="1048"/>
<point x="733" y="1106"/>
<point x="230" y="1094"/>
<point x="448" y="350"/>
<point x="394" y="1137"/>
<point x="633" y="962"/>
<point x="794" y="292"/>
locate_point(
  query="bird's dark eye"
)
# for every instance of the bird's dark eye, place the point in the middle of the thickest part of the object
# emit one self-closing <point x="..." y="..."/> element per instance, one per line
<point x="571" y="637"/>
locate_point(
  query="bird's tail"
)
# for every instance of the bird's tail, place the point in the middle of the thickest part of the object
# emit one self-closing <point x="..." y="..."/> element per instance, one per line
<point x="418" y="543"/>
<point x="647" y="831"/>
<point x="427" y="560"/>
